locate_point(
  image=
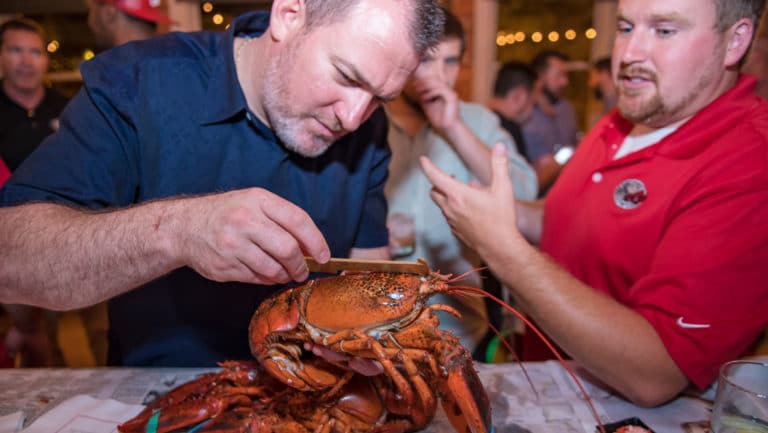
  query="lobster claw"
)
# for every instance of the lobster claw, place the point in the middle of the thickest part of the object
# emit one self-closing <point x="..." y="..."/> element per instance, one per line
<point x="464" y="399"/>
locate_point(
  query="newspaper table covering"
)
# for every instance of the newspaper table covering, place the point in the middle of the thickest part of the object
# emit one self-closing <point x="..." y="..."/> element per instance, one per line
<point x="553" y="404"/>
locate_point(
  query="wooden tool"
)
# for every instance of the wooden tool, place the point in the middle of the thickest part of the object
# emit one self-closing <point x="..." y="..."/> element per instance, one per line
<point x="420" y="267"/>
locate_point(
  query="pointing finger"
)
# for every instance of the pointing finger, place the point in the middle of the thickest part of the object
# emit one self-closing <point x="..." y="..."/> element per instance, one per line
<point x="439" y="179"/>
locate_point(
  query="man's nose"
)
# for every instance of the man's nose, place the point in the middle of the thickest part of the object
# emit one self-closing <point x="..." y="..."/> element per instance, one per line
<point x="633" y="47"/>
<point x="440" y="71"/>
<point x="355" y="109"/>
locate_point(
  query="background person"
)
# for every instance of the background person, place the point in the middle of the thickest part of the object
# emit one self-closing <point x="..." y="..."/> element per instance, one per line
<point x="5" y="358"/>
<point x="179" y="185"/>
<point x="653" y="240"/>
<point x="115" y="22"/>
<point x="429" y="119"/>
<point x="552" y="124"/>
<point x="513" y="99"/>
<point x="601" y="83"/>
<point x="29" y="112"/>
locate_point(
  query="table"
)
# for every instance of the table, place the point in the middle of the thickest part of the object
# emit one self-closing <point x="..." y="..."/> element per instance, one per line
<point x="553" y="404"/>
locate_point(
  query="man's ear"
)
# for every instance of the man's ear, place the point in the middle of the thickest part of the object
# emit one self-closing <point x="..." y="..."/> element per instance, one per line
<point x="739" y="37"/>
<point x="287" y="18"/>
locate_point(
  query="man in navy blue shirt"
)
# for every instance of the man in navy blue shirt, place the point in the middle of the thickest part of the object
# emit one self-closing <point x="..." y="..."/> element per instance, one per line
<point x="193" y="166"/>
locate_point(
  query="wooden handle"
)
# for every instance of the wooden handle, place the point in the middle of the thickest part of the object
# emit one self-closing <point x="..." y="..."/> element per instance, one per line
<point x="420" y="267"/>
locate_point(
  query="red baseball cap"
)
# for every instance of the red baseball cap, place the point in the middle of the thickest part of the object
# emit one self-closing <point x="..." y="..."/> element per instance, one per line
<point x="147" y="10"/>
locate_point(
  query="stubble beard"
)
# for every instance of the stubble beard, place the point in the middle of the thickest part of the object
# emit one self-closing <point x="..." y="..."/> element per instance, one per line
<point x="287" y="125"/>
<point x="655" y="110"/>
<point x="640" y="111"/>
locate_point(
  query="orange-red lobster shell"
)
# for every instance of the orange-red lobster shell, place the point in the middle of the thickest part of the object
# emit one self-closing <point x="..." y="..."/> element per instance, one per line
<point x="381" y="316"/>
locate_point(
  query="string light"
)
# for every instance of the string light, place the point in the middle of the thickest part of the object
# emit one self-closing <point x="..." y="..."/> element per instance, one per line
<point x="504" y="38"/>
<point x="207" y="7"/>
<point x="217" y="19"/>
<point x="53" y="46"/>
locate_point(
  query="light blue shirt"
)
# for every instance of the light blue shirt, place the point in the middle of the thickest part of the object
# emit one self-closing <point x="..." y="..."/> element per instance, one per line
<point x="407" y="191"/>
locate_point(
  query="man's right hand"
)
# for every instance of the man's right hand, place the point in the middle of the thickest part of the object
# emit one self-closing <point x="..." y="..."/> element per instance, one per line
<point x="249" y="235"/>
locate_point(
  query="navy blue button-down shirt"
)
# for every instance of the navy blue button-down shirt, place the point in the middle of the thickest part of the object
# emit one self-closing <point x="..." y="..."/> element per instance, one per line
<point x="166" y="117"/>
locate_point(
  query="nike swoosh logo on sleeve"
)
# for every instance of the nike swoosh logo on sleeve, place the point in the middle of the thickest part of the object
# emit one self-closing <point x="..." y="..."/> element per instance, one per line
<point x="683" y="324"/>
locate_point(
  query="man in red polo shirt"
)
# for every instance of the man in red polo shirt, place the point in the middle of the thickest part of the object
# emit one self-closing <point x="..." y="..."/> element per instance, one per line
<point x="654" y="238"/>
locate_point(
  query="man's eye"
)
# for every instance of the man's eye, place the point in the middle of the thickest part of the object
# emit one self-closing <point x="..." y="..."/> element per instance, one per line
<point x="345" y="78"/>
<point x="623" y="28"/>
<point x="664" y="32"/>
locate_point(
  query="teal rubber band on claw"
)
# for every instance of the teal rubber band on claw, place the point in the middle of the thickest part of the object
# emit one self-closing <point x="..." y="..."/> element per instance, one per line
<point x="198" y="427"/>
<point x="152" y="423"/>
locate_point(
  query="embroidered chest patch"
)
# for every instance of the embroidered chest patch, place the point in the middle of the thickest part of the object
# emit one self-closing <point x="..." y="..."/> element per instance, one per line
<point x="630" y="194"/>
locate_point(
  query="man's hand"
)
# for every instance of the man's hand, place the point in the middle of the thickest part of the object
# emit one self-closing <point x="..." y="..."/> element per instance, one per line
<point x="439" y="102"/>
<point x="480" y="216"/>
<point x="249" y="235"/>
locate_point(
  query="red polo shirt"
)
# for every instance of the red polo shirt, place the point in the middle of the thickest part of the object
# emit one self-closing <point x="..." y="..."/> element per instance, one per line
<point x="677" y="231"/>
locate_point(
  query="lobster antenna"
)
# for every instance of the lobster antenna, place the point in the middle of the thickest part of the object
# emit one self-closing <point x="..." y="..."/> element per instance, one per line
<point x="509" y="348"/>
<point x="464" y="275"/>
<point x="549" y="345"/>
<point x="472" y="293"/>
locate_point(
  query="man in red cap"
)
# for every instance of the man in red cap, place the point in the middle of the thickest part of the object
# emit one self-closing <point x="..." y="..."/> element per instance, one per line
<point x="115" y="22"/>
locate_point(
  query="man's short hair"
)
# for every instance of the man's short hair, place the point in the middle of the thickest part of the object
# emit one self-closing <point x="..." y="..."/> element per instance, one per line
<point x="454" y="29"/>
<point x="22" y="23"/>
<point x="603" y="64"/>
<point x="730" y="11"/>
<point x="512" y="75"/>
<point x="540" y="62"/>
<point x="426" y="27"/>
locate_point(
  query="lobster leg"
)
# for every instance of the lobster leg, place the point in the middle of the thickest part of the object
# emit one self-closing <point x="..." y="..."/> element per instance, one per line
<point x="296" y="374"/>
<point x="358" y="343"/>
<point x="463" y="396"/>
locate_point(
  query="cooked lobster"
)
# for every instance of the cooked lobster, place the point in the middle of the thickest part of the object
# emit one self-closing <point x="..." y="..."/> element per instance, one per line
<point x="380" y="316"/>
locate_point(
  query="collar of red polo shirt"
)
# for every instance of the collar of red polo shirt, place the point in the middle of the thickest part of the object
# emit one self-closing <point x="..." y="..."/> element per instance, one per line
<point x="147" y="10"/>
